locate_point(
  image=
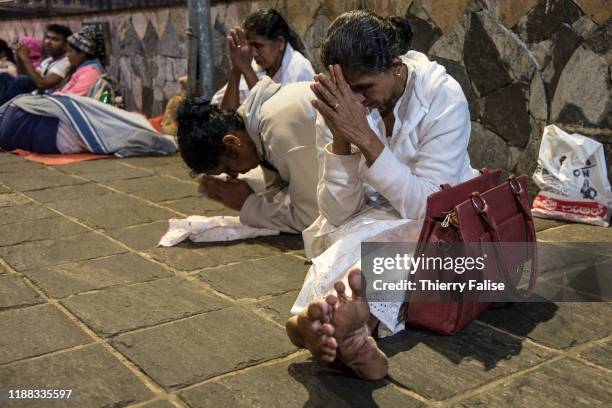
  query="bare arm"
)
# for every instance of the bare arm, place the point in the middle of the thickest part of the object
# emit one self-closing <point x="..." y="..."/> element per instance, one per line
<point x="42" y="82"/>
<point x="231" y="97"/>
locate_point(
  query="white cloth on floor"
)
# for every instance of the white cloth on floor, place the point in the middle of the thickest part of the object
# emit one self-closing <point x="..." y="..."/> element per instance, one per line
<point x="209" y="229"/>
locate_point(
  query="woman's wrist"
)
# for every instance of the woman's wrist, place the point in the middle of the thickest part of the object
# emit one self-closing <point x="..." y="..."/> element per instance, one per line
<point x="371" y="149"/>
<point x="341" y="146"/>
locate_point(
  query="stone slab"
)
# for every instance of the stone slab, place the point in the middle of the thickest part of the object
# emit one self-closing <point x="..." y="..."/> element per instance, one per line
<point x="14" y="292"/>
<point x="71" y="278"/>
<point x="92" y="166"/>
<point x="188" y="256"/>
<point x="25" y="212"/>
<point x="542" y="224"/>
<point x="564" y="383"/>
<point x="185" y="352"/>
<point x="180" y="171"/>
<point x="577" y="233"/>
<point x="253" y="279"/>
<point x="592" y="278"/>
<point x="140" y="237"/>
<point x="155" y="188"/>
<point x="13" y="199"/>
<point x="66" y="193"/>
<point x="297" y="382"/>
<point x="200" y="206"/>
<point x="38" y="179"/>
<point x="112" y="211"/>
<point x="48" y="228"/>
<point x="97" y="379"/>
<point x="159" y="404"/>
<point x="561" y="325"/>
<point x="19" y="166"/>
<point x="284" y="242"/>
<point x="600" y="355"/>
<point x="37" y="330"/>
<point x="116" y="310"/>
<point x="79" y="247"/>
<point x="152" y="162"/>
<point x="277" y="308"/>
<point x="123" y="173"/>
<point x="438" y="367"/>
<point x="6" y="157"/>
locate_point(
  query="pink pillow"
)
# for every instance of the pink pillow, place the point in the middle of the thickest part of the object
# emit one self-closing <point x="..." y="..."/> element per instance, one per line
<point x="36" y="49"/>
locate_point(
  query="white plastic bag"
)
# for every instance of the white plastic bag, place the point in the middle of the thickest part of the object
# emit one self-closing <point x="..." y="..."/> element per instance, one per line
<point x="573" y="179"/>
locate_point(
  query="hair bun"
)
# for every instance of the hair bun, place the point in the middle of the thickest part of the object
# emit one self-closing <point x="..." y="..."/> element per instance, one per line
<point x="403" y="32"/>
<point x="192" y="109"/>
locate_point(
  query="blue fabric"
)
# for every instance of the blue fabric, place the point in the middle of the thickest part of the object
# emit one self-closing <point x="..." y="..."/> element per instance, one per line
<point x="22" y="130"/>
<point x="20" y="85"/>
<point x="81" y="124"/>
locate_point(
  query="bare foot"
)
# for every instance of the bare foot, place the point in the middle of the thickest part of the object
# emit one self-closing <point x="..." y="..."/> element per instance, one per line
<point x="356" y="347"/>
<point x="312" y="329"/>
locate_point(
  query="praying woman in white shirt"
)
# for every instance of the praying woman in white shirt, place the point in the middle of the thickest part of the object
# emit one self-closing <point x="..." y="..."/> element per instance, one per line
<point x="264" y="45"/>
<point x="394" y="127"/>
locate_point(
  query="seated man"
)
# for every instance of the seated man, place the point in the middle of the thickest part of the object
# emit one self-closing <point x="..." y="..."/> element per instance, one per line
<point x="274" y="128"/>
<point x="50" y="73"/>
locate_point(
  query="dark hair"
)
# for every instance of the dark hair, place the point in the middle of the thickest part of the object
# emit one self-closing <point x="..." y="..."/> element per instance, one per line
<point x="201" y="127"/>
<point x="6" y="50"/>
<point x="270" y="24"/>
<point x="403" y="31"/>
<point x="60" y="29"/>
<point x="362" y="41"/>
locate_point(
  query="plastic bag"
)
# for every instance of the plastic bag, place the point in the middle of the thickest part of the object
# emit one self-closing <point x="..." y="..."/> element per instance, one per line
<point x="573" y="179"/>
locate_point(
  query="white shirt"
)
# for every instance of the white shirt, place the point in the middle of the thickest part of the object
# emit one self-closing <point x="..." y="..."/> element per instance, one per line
<point x="59" y="67"/>
<point x="294" y="68"/>
<point x="427" y="148"/>
<point x="281" y="122"/>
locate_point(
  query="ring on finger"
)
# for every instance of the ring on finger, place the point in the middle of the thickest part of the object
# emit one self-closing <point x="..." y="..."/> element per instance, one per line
<point x="336" y="106"/>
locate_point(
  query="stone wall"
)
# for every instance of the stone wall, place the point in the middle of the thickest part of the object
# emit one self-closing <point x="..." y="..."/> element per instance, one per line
<point x="522" y="63"/>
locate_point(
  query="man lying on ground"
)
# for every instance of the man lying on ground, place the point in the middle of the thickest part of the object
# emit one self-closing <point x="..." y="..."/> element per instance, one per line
<point x="274" y="128"/>
<point x="60" y="124"/>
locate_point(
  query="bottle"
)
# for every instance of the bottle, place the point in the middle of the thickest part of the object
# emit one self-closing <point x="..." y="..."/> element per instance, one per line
<point x="106" y="97"/>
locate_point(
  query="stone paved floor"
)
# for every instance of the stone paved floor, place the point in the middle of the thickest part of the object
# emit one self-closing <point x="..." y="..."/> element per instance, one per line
<point x="88" y="303"/>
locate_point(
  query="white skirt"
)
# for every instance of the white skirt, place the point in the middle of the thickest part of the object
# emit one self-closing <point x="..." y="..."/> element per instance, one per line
<point x="335" y="250"/>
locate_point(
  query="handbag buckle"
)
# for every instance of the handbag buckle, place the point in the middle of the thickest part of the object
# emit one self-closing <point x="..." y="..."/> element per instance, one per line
<point x="479" y="203"/>
<point x="515" y="185"/>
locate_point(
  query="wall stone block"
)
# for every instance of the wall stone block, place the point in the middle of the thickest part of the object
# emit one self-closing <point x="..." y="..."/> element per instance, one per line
<point x="506" y="114"/>
<point x="450" y="45"/>
<point x="444" y="13"/>
<point x="598" y="10"/>
<point x="583" y="93"/>
<point x="482" y="59"/>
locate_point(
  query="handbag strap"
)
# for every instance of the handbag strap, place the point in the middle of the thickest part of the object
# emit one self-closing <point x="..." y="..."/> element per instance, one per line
<point x="483" y="212"/>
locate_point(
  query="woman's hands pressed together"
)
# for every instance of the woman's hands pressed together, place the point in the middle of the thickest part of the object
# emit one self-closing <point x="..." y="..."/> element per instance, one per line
<point x="345" y="115"/>
<point x="231" y="192"/>
<point x="240" y="52"/>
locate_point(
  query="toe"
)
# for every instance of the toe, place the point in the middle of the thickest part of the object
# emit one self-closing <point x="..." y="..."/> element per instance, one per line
<point x="327" y="329"/>
<point x="354" y="280"/>
<point x="318" y="311"/>
<point x="340" y="290"/>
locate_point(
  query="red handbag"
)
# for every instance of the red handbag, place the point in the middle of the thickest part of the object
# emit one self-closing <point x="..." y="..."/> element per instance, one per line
<point x="478" y="210"/>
